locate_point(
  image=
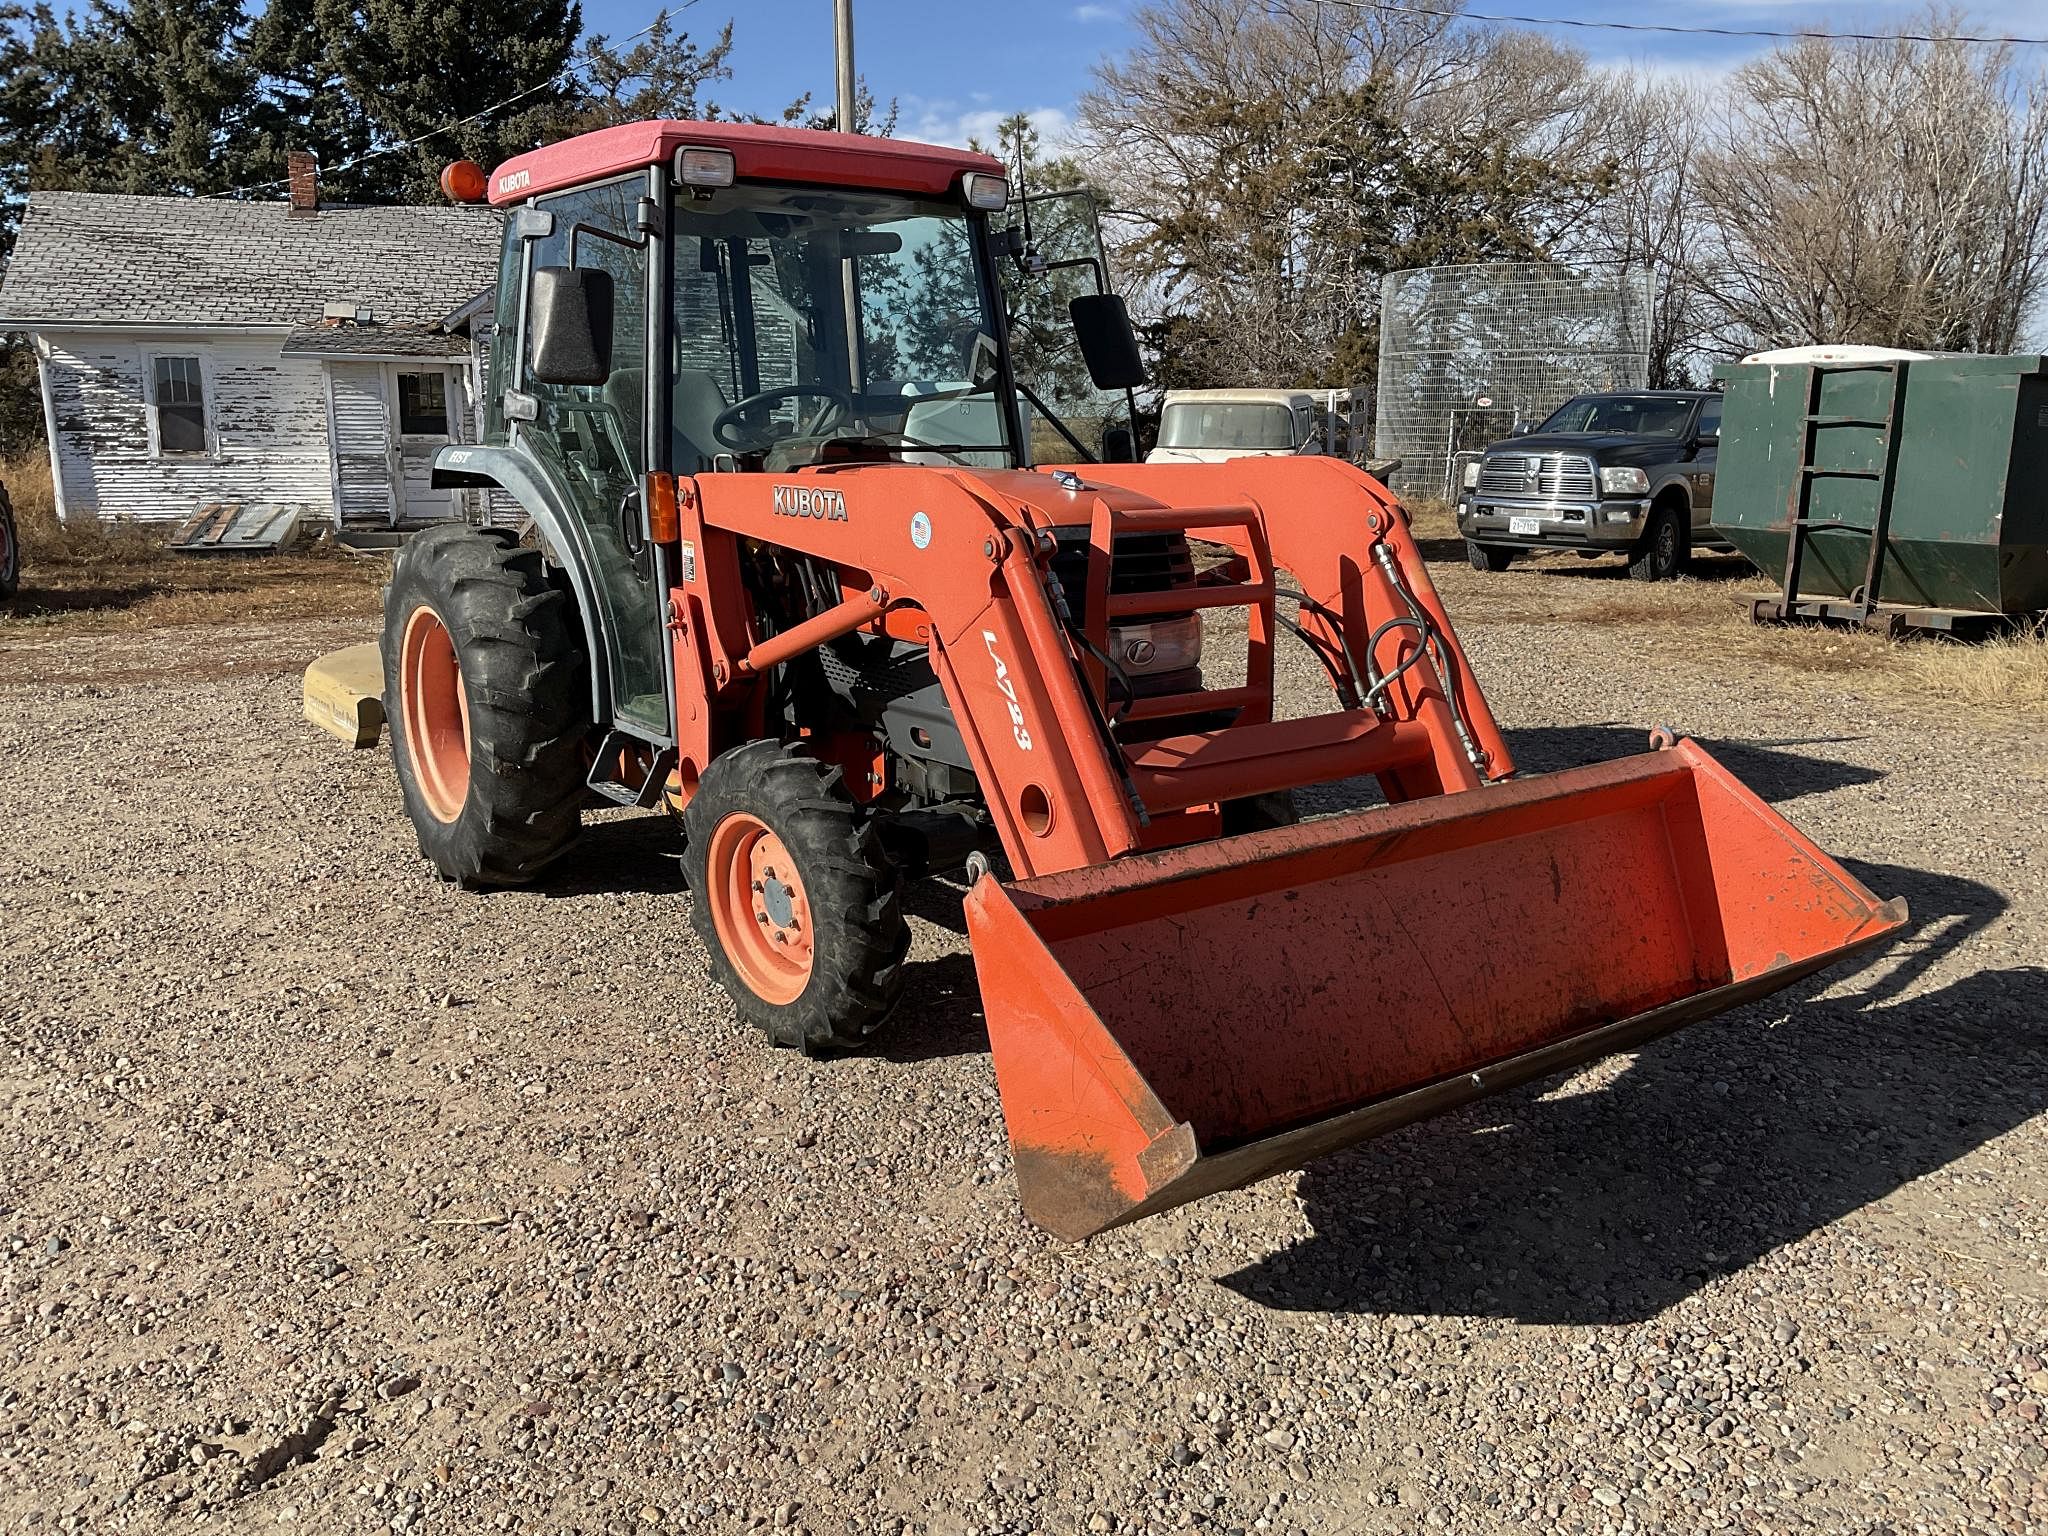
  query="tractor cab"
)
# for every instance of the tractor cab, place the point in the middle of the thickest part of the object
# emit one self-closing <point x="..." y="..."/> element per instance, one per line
<point x="813" y="300"/>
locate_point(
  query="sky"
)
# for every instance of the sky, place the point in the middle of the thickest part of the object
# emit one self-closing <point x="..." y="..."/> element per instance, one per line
<point x="956" y="66"/>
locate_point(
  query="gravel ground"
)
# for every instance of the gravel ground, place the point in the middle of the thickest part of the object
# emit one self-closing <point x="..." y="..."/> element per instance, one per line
<point x="334" y="1198"/>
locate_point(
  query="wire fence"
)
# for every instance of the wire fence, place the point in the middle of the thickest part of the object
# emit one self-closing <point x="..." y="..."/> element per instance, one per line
<point x="1468" y="352"/>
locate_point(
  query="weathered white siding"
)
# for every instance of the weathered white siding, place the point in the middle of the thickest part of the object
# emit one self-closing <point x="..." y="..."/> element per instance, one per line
<point x="494" y="506"/>
<point x="268" y="414"/>
<point x="362" y="441"/>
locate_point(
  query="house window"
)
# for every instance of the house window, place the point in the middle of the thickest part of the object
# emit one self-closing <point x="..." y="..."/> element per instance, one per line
<point x="180" y="405"/>
<point x="423" y="404"/>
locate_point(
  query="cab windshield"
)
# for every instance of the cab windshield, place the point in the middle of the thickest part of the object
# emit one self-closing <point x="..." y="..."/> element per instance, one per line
<point x="815" y="325"/>
<point x="1634" y="415"/>
<point x="1225" y="424"/>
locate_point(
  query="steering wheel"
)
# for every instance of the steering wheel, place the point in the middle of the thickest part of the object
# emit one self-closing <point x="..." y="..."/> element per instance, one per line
<point x="837" y="406"/>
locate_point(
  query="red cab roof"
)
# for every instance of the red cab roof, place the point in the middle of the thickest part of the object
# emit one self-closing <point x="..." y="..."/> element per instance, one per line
<point x="759" y="153"/>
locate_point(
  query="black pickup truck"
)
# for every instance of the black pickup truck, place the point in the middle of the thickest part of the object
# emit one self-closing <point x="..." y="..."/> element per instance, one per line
<point x="1629" y="473"/>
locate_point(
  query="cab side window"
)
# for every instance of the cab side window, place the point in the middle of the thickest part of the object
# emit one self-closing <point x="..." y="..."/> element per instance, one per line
<point x="1709" y="424"/>
<point x="595" y="433"/>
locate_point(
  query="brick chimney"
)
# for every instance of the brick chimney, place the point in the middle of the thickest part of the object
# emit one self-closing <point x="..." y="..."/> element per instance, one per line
<point x="303" y="172"/>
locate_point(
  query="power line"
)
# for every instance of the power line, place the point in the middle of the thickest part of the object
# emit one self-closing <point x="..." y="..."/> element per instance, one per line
<point x="1401" y="8"/>
<point x="461" y="122"/>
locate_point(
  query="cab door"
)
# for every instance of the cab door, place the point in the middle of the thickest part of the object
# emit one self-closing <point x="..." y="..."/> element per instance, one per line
<point x="1706" y="452"/>
<point x="590" y="440"/>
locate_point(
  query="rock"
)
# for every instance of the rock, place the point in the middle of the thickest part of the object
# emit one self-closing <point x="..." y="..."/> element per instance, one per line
<point x="397" y="1386"/>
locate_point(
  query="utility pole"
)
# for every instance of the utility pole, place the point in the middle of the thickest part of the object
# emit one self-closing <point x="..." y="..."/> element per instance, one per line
<point x="842" y="30"/>
<point x="842" y="38"/>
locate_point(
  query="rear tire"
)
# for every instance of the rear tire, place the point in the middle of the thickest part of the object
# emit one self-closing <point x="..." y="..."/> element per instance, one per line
<point x="1661" y="556"/>
<point x="487" y="697"/>
<point x="10" y="547"/>
<point x="1488" y="557"/>
<point x="793" y="899"/>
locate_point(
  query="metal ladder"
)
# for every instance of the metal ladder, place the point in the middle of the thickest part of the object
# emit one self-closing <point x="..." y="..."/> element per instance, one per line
<point x="1862" y="603"/>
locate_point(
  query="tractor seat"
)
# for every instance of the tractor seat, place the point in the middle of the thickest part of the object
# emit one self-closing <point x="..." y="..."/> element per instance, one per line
<point x="695" y="404"/>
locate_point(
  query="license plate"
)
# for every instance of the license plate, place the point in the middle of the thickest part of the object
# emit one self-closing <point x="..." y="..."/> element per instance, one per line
<point x="1531" y="526"/>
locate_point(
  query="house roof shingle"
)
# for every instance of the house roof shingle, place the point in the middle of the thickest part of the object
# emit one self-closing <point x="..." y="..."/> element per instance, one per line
<point x="112" y="258"/>
<point x="374" y="341"/>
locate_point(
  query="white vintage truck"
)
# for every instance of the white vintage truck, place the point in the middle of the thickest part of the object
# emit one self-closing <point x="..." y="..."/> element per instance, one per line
<point x="1206" y="426"/>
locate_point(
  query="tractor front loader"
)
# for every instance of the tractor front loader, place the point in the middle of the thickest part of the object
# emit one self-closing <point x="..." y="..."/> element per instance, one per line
<point x="795" y="576"/>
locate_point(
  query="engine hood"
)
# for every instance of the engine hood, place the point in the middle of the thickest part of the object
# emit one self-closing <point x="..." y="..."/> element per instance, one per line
<point x="1607" y="447"/>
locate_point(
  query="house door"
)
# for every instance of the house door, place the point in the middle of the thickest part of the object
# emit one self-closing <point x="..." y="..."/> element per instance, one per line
<point x="423" y="410"/>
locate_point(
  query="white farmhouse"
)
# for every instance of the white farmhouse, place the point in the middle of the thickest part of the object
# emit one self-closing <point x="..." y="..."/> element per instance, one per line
<point x="200" y="353"/>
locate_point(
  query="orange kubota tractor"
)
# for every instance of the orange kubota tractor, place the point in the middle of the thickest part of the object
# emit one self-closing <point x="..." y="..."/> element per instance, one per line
<point x="796" y="574"/>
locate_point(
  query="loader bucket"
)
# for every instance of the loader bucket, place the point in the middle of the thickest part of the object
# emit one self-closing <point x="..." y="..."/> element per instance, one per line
<point x="1188" y="1021"/>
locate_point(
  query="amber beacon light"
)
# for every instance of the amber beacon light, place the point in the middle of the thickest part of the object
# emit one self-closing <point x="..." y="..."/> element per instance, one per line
<point x="463" y="181"/>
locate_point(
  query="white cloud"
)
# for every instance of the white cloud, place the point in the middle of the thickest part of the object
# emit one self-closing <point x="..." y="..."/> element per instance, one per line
<point x="947" y="122"/>
<point x="1091" y="13"/>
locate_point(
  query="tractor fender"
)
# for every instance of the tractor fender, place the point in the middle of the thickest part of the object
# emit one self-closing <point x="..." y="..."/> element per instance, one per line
<point x="475" y="466"/>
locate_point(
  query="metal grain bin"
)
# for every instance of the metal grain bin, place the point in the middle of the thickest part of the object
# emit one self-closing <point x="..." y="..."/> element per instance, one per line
<point x="1947" y="457"/>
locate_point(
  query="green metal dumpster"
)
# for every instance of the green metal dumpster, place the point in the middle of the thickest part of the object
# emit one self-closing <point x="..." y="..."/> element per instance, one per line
<point x="1902" y="492"/>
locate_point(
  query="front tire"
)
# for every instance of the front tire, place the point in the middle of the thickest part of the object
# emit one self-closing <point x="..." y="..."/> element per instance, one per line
<point x="1488" y="557"/>
<point x="1662" y="554"/>
<point x="487" y="696"/>
<point x="794" y="899"/>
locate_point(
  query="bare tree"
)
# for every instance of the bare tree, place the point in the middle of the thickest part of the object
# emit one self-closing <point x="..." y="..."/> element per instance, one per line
<point x="1271" y="159"/>
<point x="1649" y="217"/>
<point x="1890" y="192"/>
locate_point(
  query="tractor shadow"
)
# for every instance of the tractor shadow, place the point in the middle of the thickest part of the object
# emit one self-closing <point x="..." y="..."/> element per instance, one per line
<point x="1771" y="770"/>
<point x="633" y="852"/>
<point x="1713" y="1147"/>
<point x="940" y="1014"/>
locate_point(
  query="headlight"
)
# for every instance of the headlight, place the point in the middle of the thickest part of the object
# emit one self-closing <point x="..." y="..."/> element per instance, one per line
<point x="1164" y="645"/>
<point x="1620" y="480"/>
<point x="1472" y="475"/>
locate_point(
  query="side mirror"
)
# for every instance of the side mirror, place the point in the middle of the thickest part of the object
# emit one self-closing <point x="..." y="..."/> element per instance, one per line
<point x="1108" y="345"/>
<point x="569" y="327"/>
<point x="1119" y="446"/>
<point x="1521" y="429"/>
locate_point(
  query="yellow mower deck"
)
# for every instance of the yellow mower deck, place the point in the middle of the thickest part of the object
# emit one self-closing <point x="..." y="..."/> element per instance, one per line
<point x="344" y="694"/>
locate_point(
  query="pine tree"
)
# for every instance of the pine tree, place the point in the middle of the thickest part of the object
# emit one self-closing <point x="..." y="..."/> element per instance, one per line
<point x="660" y="75"/>
<point x="415" y="67"/>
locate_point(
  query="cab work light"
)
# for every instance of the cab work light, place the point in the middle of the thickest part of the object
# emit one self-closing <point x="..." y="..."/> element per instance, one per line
<point x="984" y="190"/>
<point x="704" y="167"/>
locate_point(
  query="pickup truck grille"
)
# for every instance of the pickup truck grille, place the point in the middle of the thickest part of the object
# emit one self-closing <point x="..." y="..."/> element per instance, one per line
<point x="1539" y="476"/>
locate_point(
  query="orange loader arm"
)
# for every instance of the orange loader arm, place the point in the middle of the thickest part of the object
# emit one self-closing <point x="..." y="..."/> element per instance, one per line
<point x="1062" y="793"/>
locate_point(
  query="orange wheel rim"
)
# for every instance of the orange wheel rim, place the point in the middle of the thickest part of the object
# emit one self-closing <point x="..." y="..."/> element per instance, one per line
<point x="435" y="708"/>
<point x="759" y="907"/>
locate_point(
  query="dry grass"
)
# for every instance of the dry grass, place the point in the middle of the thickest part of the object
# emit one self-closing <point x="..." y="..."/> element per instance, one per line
<point x="2009" y="671"/>
<point x="1706" y="616"/>
<point x="85" y="576"/>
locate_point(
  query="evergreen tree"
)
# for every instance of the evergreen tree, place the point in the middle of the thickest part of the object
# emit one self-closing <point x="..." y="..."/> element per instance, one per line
<point x="305" y="103"/>
<point x="661" y="75"/>
<point x="415" y="67"/>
